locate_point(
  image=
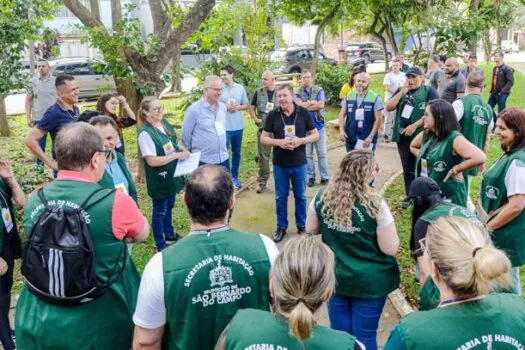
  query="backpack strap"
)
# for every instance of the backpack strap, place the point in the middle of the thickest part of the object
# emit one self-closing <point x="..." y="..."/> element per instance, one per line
<point x="84" y="204"/>
<point x="41" y="196"/>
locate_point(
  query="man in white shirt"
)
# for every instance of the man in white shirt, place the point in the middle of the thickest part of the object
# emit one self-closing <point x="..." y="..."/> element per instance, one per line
<point x="191" y="290"/>
<point x="393" y="81"/>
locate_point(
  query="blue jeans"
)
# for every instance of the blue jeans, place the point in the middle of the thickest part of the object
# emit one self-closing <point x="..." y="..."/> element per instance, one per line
<point x="500" y="100"/>
<point x="282" y="178"/>
<point x="161" y="220"/>
<point x="357" y="316"/>
<point x="320" y="148"/>
<point x="234" y="138"/>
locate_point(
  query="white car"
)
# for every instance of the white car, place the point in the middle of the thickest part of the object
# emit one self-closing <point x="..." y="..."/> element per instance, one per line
<point x="509" y="46"/>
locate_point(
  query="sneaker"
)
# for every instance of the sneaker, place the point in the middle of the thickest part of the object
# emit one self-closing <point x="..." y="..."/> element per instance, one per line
<point x="406" y="203"/>
<point x="324" y="181"/>
<point x="311" y="182"/>
<point x="172" y="239"/>
<point x="301" y="230"/>
<point x="236" y="183"/>
<point x="279" y="234"/>
<point x="260" y="188"/>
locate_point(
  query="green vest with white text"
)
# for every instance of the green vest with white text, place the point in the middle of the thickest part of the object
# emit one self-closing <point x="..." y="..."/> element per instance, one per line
<point x="105" y="323"/>
<point x="207" y="278"/>
<point x="419" y="101"/>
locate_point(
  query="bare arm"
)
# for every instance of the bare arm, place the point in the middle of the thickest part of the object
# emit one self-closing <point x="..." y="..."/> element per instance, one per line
<point x="472" y="155"/>
<point x="147" y="339"/>
<point x="391" y="104"/>
<point x="143" y="234"/>
<point x="253" y="112"/>
<point x="29" y="108"/>
<point x="129" y="111"/>
<point x="221" y="342"/>
<point x="316" y="105"/>
<point x="416" y="143"/>
<point x="508" y="212"/>
<point x="268" y="141"/>
<point x="312" y="223"/>
<point x="31" y="141"/>
<point x="388" y="240"/>
<point x="6" y="172"/>
<point x="342" y="121"/>
<point x="377" y="124"/>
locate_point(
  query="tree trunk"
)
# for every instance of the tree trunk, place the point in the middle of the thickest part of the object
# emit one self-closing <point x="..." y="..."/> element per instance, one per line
<point x="4" y="125"/>
<point x="473" y="43"/>
<point x="385" y="48"/>
<point x="320" y="29"/>
<point x="95" y="9"/>
<point x="176" y="82"/>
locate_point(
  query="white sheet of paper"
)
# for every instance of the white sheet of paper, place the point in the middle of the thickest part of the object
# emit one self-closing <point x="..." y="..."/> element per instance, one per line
<point x="219" y="127"/>
<point x="360" y="145"/>
<point x="407" y="112"/>
<point x="186" y="166"/>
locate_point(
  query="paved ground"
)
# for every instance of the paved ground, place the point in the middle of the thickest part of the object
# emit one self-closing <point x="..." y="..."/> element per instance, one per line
<point x="256" y="213"/>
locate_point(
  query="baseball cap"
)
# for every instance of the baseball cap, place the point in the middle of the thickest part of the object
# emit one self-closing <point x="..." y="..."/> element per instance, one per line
<point x="422" y="187"/>
<point x="413" y="71"/>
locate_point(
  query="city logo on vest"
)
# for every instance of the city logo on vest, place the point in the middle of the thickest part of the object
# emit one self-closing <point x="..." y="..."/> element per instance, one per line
<point x="163" y="174"/>
<point x="479" y="113"/>
<point x="422" y="105"/>
<point x="222" y="289"/>
<point x="492" y="192"/>
<point x="440" y="166"/>
<point x="467" y="214"/>
<point x="491" y="340"/>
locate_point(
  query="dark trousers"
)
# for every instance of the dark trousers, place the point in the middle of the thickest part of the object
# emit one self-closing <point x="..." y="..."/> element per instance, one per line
<point x="408" y="160"/>
<point x="162" y="221"/>
<point x="500" y="100"/>
<point x="6" y="282"/>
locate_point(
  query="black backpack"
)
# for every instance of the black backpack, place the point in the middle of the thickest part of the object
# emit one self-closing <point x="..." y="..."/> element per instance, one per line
<point x="58" y="260"/>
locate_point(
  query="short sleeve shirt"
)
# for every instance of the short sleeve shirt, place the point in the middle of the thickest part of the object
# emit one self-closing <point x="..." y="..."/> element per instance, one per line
<point x="237" y="94"/>
<point x="275" y="123"/>
<point x="450" y="87"/>
<point x="55" y="118"/>
<point x="44" y="95"/>
<point x="393" y="81"/>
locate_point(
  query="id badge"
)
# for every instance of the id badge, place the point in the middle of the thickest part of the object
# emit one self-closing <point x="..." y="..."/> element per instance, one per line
<point x="269" y="106"/>
<point x="424" y="167"/>
<point x="289" y="132"/>
<point x="360" y="114"/>
<point x="232" y="101"/>
<point x="407" y="112"/>
<point x="168" y="148"/>
<point x="219" y="127"/>
<point x="360" y="124"/>
<point x="121" y="187"/>
<point x="8" y="219"/>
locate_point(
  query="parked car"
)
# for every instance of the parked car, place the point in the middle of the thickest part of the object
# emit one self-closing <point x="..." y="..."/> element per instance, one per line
<point x="297" y="59"/>
<point x="88" y="74"/>
<point x="508" y="46"/>
<point x="369" y="51"/>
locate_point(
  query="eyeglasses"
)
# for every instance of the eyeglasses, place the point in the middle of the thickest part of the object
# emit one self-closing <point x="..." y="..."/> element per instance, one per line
<point x="216" y="89"/>
<point x="157" y="109"/>
<point x="107" y="152"/>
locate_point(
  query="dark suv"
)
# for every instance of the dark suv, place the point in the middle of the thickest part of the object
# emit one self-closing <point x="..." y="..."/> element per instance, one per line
<point x="296" y="59"/>
<point x="370" y="51"/>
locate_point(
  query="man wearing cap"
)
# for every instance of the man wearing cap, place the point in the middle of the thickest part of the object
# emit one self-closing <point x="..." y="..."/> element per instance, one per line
<point x="409" y="102"/>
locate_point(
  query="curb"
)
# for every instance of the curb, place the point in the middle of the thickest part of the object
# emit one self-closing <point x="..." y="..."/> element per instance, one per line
<point x="397" y="297"/>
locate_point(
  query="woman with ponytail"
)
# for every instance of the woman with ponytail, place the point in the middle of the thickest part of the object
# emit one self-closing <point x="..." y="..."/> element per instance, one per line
<point x="466" y="268"/>
<point x="160" y="149"/>
<point x="301" y="280"/>
<point x="357" y="225"/>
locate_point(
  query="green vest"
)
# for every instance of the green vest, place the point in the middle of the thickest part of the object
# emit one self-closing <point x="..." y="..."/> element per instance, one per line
<point x="107" y="181"/>
<point x="207" y="278"/>
<point x="6" y="203"/>
<point x="495" y="322"/>
<point x="361" y="269"/>
<point x="419" y="102"/>
<point x="475" y="123"/>
<point x="160" y="180"/>
<point x="273" y="333"/>
<point x="262" y="100"/>
<point x="314" y="91"/>
<point x="511" y="237"/>
<point x="429" y="295"/>
<point x="440" y="159"/>
<point x="105" y="323"/>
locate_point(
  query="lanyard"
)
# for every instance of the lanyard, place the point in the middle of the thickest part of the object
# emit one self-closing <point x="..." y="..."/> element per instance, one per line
<point x="451" y="301"/>
<point x="4" y="200"/>
<point x="295" y="117"/>
<point x="209" y="232"/>
<point x="364" y="98"/>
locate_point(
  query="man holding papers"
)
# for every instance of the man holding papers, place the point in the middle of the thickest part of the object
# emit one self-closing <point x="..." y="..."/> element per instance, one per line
<point x="161" y="152"/>
<point x="361" y="116"/>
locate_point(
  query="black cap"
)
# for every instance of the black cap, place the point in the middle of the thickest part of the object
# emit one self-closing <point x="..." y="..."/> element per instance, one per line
<point x="422" y="187"/>
<point x="414" y="71"/>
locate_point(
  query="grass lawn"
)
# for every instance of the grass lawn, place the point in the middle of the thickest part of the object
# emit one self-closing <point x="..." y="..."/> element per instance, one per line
<point x="395" y="194"/>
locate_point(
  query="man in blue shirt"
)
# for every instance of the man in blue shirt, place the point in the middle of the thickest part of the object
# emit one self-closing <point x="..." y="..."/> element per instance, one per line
<point x="235" y="99"/>
<point x="312" y="98"/>
<point x="203" y="127"/>
<point x="55" y="118"/>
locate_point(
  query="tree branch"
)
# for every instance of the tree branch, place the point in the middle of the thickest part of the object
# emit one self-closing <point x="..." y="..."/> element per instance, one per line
<point x="95" y="9"/>
<point x="116" y="12"/>
<point x="320" y="29"/>
<point x="190" y="23"/>
<point x="158" y="13"/>
<point x="83" y="14"/>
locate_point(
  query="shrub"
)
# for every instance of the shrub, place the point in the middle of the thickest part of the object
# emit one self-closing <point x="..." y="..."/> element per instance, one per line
<point x="331" y="79"/>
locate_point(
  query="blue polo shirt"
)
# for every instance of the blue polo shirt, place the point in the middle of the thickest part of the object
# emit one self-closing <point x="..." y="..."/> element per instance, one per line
<point x="116" y="173"/>
<point x="54" y="119"/>
<point x="320" y="97"/>
<point x="238" y="93"/>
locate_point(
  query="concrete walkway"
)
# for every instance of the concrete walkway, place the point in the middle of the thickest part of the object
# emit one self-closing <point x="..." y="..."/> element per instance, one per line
<point x="256" y="213"/>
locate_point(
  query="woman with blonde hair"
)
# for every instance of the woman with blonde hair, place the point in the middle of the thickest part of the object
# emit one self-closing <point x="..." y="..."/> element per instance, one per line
<point x="301" y="280"/>
<point x="357" y="225"/>
<point x="466" y="268"/>
<point x="160" y="149"/>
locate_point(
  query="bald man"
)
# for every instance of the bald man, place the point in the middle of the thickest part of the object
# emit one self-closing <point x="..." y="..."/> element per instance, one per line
<point x="263" y="101"/>
<point x="361" y="116"/>
<point x="453" y="84"/>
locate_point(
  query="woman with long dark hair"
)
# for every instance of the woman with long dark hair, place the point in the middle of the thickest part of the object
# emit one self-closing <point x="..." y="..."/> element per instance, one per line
<point x="443" y="154"/>
<point x="502" y="192"/>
